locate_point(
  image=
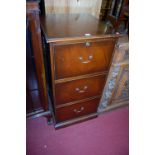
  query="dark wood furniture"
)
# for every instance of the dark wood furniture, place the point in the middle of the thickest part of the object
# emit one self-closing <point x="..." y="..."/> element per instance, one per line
<point x="105" y="7"/>
<point x="116" y="91"/>
<point x="79" y="49"/>
<point x="36" y="92"/>
<point x="119" y="14"/>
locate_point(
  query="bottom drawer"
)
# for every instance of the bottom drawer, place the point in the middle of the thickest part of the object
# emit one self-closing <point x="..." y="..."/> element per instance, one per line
<point x="76" y="110"/>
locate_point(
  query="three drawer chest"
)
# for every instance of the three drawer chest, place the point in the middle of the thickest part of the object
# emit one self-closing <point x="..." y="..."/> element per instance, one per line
<point x="78" y="51"/>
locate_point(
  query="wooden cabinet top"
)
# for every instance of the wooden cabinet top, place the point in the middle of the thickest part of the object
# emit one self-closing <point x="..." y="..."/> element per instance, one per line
<point x="58" y="27"/>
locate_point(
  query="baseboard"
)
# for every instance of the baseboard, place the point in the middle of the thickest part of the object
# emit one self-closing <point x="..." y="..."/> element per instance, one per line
<point x="114" y="105"/>
<point x="38" y="114"/>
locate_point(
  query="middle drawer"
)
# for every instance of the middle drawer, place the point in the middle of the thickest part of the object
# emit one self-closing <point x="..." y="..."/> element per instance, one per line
<point x="79" y="89"/>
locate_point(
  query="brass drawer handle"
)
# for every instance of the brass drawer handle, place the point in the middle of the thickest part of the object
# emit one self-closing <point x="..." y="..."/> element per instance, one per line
<point x="83" y="90"/>
<point x="90" y="58"/>
<point x="78" y="111"/>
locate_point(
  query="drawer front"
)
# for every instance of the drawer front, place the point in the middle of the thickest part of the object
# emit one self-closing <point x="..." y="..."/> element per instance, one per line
<point x="79" y="89"/>
<point x="82" y="58"/>
<point x="77" y="110"/>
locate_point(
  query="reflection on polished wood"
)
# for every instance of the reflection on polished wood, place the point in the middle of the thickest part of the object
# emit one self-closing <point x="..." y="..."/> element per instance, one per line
<point x="63" y="26"/>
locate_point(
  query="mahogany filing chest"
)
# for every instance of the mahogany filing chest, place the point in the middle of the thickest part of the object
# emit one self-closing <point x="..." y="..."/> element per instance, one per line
<point x="78" y="53"/>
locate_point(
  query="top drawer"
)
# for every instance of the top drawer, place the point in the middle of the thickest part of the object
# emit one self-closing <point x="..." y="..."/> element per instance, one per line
<point x="82" y="58"/>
